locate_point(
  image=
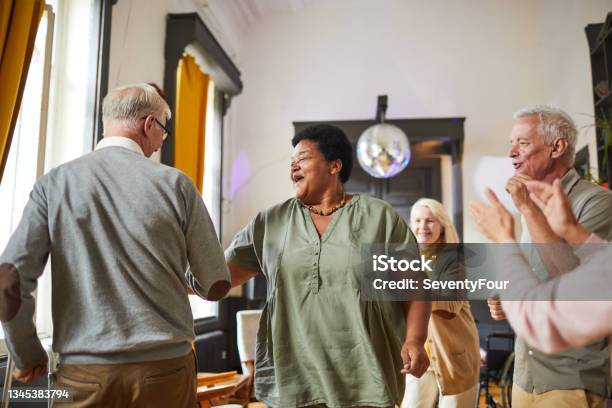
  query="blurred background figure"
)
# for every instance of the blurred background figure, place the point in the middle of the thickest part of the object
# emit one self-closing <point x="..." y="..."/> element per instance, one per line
<point x="452" y="342"/>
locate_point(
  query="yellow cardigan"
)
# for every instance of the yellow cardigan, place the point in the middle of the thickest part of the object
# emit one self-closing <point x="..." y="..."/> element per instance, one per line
<point x="452" y="344"/>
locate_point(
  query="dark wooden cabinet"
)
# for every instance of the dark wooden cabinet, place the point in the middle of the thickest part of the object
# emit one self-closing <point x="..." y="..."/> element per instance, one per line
<point x="599" y="37"/>
<point x="422" y="178"/>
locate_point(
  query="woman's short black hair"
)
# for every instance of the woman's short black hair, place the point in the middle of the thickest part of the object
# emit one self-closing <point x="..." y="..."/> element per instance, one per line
<point x="332" y="142"/>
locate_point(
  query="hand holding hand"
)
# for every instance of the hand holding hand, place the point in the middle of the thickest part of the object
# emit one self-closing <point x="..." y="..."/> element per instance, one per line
<point x="415" y="358"/>
<point x="495" y="222"/>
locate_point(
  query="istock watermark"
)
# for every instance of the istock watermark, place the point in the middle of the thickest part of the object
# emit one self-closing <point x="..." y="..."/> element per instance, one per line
<point x="429" y="284"/>
<point x="383" y="263"/>
<point x="399" y="272"/>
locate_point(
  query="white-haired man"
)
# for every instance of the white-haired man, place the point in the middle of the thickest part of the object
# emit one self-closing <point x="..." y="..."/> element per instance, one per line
<point x="555" y="324"/>
<point x="543" y="142"/>
<point x="122" y="231"/>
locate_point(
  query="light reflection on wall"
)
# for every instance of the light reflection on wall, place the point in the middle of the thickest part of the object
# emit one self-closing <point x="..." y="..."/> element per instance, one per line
<point x="493" y="172"/>
<point x="241" y="172"/>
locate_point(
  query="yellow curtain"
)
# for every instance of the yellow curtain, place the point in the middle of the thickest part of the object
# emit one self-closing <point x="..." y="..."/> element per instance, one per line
<point x="190" y="123"/>
<point x="19" y="21"/>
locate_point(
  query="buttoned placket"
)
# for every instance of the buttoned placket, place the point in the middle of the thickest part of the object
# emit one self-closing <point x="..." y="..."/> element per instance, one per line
<point x="314" y="279"/>
<point x="318" y="242"/>
<point x="528" y="358"/>
<point x="315" y="254"/>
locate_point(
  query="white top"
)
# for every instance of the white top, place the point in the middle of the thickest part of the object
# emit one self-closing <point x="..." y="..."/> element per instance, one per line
<point x="119" y="141"/>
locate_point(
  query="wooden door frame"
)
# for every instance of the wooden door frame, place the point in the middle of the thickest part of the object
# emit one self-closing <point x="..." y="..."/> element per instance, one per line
<point x="182" y="30"/>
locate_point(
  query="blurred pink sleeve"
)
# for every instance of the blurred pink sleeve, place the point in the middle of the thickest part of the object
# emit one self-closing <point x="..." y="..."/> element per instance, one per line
<point x="538" y="315"/>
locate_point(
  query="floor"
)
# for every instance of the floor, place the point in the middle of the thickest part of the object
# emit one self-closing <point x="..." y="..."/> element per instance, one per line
<point x="494" y="390"/>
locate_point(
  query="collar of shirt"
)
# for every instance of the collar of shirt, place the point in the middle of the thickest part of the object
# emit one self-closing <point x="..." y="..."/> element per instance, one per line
<point x="569" y="180"/>
<point x="119" y="141"/>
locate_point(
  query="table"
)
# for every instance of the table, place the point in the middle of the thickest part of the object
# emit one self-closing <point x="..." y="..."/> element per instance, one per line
<point x="214" y="386"/>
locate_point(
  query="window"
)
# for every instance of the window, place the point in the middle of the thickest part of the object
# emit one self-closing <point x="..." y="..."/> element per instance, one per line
<point x="71" y="84"/>
<point x="23" y="160"/>
<point x="202" y="309"/>
<point x="212" y="159"/>
<point x="20" y="171"/>
<point x="211" y="190"/>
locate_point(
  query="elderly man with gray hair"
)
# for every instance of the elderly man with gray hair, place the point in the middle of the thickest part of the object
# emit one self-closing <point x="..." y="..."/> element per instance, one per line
<point x="122" y="231"/>
<point x="543" y="146"/>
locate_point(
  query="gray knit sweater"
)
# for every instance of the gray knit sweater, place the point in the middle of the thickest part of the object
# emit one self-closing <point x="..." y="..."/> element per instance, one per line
<point x="122" y="231"/>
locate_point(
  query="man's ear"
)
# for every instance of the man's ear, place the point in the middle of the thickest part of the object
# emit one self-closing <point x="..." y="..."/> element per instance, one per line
<point x="559" y="148"/>
<point x="148" y="125"/>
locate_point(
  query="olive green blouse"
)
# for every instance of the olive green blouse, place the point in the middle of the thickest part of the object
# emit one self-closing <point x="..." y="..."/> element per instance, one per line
<point x="319" y="342"/>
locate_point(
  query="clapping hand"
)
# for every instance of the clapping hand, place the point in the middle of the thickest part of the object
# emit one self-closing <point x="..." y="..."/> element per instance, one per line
<point x="554" y="205"/>
<point x="517" y="188"/>
<point x="495" y="221"/>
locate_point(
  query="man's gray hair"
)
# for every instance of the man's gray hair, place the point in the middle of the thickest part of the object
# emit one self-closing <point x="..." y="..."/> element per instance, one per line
<point x="128" y="104"/>
<point x="554" y="123"/>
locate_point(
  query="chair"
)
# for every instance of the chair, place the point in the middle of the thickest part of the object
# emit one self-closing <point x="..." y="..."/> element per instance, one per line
<point x="217" y="384"/>
<point x="247" y="325"/>
<point x="499" y="369"/>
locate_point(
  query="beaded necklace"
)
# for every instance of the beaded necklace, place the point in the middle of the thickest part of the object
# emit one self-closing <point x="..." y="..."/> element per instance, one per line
<point x="325" y="213"/>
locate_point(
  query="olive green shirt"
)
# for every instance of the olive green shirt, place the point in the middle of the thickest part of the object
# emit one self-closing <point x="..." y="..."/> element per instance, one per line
<point x="578" y="368"/>
<point x="319" y="342"/>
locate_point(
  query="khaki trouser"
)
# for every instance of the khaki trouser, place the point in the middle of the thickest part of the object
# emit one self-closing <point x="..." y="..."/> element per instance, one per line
<point x="557" y="399"/>
<point x="162" y="383"/>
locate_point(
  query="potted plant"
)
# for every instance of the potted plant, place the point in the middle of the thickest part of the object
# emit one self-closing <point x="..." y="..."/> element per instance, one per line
<point x="605" y="124"/>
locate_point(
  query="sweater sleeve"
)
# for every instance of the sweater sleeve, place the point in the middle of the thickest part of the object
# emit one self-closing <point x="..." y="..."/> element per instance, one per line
<point x="21" y="264"/>
<point x="206" y="261"/>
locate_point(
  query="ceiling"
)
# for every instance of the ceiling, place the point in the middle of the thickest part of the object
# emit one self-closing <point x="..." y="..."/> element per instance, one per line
<point x="247" y="12"/>
<point x="228" y="20"/>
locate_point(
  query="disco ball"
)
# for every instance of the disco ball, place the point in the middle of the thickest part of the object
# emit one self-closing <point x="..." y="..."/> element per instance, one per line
<point x="383" y="150"/>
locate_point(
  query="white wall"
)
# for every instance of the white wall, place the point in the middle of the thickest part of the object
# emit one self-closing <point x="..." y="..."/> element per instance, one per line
<point x="138" y="35"/>
<point x="480" y="59"/>
<point x="474" y="58"/>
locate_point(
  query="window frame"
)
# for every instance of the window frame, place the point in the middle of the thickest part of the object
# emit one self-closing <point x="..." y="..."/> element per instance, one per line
<point x="212" y="323"/>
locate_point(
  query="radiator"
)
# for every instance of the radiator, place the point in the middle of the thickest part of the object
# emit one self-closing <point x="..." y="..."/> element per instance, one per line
<point x="211" y="350"/>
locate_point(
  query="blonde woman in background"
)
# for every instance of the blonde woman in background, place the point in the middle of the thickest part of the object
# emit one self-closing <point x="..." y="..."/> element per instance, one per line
<point x="452" y="343"/>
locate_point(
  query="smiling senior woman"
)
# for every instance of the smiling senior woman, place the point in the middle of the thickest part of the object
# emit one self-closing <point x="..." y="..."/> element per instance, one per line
<point x="452" y="342"/>
<point x="319" y="342"/>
